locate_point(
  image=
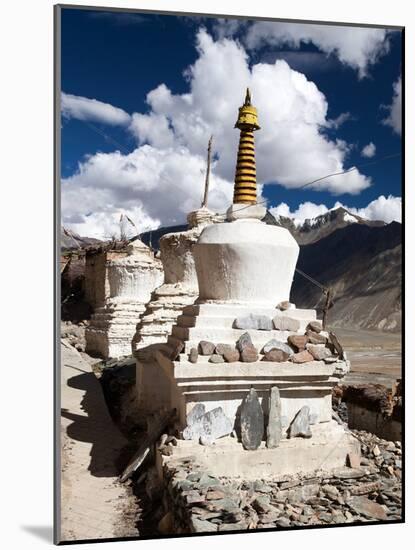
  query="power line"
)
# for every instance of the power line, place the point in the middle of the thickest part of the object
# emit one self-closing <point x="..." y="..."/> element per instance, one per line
<point x="351" y="169"/>
<point x="329" y="176"/>
<point x="106" y="137"/>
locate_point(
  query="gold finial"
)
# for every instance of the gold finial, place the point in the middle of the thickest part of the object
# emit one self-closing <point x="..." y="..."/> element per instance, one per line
<point x="245" y="176"/>
<point x="248" y="97"/>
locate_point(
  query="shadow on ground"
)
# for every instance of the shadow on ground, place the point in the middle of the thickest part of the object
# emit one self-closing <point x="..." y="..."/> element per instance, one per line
<point x="110" y="451"/>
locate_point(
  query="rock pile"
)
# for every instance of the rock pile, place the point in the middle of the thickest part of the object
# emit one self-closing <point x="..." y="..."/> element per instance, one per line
<point x="368" y="492"/>
<point x="314" y="345"/>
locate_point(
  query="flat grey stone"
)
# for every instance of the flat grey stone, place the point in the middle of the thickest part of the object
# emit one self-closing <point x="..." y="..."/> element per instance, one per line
<point x="244" y="341"/>
<point x="202" y="526"/>
<point x="215" y="358"/>
<point x="281" y="322"/>
<point x="369" y="508"/>
<point x="206" y="348"/>
<point x="252" y="421"/>
<point x="274" y="428"/>
<point x="276" y="344"/>
<point x="254" y="322"/>
<point x="207" y="480"/>
<point x="300" y="426"/>
<point x="197" y="411"/>
<point x="318" y="352"/>
<point x="213" y="425"/>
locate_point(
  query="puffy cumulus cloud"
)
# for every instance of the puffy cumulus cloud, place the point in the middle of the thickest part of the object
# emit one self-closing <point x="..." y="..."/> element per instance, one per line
<point x="357" y="47"/>
<point x="383" y="208"/>
<point x="164" y="175"/>
<point x="292" y="147"/>
<point x="83" y="108"/>
<point x="388" y="209"/>
<point x="394" y="119"/>
<point x="150" y="185"/>
<point x="369" y="150"/>
<point x="305" y="211"/>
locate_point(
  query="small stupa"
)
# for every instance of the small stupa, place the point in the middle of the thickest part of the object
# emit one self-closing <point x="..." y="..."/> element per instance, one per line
<point x="128" y="277"/>
<point x="243" y="342"/>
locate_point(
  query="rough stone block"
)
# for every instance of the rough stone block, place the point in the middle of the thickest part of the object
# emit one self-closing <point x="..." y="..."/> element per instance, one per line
<point x="244" y="341"/>
<point x="302" y="357"/>
<point x="298" y="341"/>
<point x="215" y="358"/>
<point x="221" y="349"/>
<point x="213" y="424"/>
<point x="300" y="426"/>
<point x="315" y="326"/>
<point x="316" y="338"/>
<point x="253" y="322"/>
<point x="193" y="355"/>
<point x="231" y="356"/>
<point x="277" y="345"/>
<point x="274" y="428"/>
<point x="249" y="354"/>
<point x="319" y="352"/>
<point x="206" y="348"/>
<point x="252" y="421"/>
<point x="276" y="356"/>
<point x="286" y="323"/>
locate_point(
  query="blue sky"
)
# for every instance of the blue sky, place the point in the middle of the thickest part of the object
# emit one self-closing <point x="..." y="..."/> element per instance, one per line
<point x="328" y="99"/>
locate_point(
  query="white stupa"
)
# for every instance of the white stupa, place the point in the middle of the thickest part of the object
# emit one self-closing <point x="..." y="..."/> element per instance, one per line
<point x="245" y="270"/>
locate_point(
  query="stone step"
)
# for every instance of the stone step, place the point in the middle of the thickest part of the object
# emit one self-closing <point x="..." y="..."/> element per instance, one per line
<point x="238" y="310"/>
<point x="223" y="335"/>
<point x="226" y="336"/>
<point x="190" y="321"/>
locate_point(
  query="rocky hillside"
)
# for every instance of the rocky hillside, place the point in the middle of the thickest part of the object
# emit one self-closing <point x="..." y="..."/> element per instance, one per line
<point x="362" y="264"/>
<point x="71" y="240"/>
<point x="314" y="229"/>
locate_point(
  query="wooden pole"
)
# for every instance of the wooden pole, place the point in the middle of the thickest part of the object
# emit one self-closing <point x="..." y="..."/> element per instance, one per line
<point x="205" y="197"/>
<point x="326" y="307"/>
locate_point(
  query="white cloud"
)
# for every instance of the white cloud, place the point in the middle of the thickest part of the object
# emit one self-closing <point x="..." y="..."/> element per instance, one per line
<point x="369" y="150"/>
<point x="150" y="185"/>
<point x="388" y="209"/>
<point x="394" y="119"/>
<point x="357" y="47"/>
<point x="83" y="108"/>
<point x="164" y="175"/>
<point x="383" y="208"/>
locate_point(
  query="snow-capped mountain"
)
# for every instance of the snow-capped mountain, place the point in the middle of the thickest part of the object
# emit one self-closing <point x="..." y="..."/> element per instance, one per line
<point x="313" y="229"/>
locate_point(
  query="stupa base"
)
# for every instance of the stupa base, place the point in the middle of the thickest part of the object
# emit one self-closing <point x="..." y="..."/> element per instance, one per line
<point x="326" y="450"/>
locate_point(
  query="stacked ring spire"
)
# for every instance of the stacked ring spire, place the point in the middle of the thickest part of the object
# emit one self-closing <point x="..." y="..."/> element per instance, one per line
<point x="245" y="174"/>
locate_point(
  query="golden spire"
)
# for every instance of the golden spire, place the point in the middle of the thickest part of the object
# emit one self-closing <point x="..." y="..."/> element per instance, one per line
<point x="245" y="175"/>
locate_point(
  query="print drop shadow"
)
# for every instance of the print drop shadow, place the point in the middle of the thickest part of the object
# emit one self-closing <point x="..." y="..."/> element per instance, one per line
<point x="110" y="451"/>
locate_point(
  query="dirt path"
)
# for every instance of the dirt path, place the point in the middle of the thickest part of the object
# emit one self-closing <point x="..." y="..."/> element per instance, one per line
<point x="375" y="356"/>
<point x="93" y="503"/>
